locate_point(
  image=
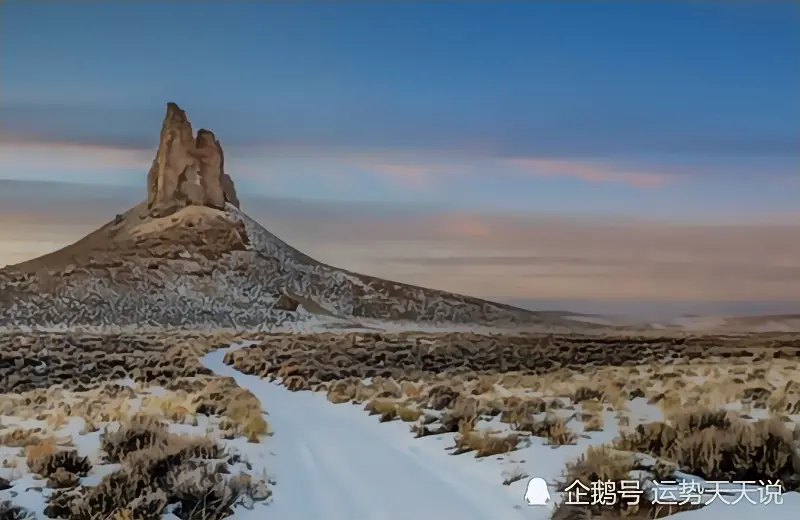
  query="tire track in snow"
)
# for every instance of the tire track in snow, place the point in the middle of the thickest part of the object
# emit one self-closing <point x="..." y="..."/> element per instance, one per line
<point x="365" y="475"/>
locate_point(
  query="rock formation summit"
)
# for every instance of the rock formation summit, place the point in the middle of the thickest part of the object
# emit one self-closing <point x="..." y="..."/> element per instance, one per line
<point x="187" y="170"/>
<point x="189" y="257"/>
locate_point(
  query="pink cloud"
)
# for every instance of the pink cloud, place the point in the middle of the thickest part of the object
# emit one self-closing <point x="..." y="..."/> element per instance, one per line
<point x="20" y="156"/>
<point x="422" y="175"/>
<point x="417" y="175"/>
<point x="462" y="224"/>
<point x="587" y="171"/>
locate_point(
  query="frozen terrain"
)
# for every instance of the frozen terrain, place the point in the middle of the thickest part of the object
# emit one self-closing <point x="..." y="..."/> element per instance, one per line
<point x="335" y="462"/>
<point x="328" y="461"/>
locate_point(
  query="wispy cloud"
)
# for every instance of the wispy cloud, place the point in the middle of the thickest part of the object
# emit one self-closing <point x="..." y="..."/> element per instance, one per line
<point x="422" y="170"/>
<point x="410" y="174"/>
<point x="425" y="174"/>
<point x="462" y="225"/>
<point x="490" y="255"/>
<point x="590" y="172"/>
<point x="20" y="155"/>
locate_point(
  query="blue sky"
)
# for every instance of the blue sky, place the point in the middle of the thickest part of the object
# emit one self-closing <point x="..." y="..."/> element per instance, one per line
<point x="496" y="118"/>
<point x="659" y="109"/>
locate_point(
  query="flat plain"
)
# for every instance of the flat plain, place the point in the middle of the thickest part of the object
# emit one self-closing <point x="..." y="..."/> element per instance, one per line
<point x="137" y="426"/>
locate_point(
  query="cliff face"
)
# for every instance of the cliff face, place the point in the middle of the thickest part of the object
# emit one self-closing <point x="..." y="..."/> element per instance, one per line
<point x="187" y="170"/>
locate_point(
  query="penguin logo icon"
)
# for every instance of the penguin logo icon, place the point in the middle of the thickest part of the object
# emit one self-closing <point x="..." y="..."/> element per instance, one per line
<point x="537" y="494"/>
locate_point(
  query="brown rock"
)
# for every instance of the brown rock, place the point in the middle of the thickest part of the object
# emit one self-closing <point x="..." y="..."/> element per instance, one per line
<point x="187" y="170"/>
<point x="230" y="190"/>
<point x="209" y="156"/>
<point x="286" y="303"/>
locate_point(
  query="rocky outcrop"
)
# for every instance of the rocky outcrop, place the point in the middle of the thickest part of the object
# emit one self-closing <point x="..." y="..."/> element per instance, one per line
<point x="206" y="268"/>
<point x="187" y="170"/>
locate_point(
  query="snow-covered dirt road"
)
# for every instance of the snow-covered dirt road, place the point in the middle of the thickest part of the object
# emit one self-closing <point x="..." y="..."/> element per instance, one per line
<point x="331" y="462"/>
<point x="335" y="462"/>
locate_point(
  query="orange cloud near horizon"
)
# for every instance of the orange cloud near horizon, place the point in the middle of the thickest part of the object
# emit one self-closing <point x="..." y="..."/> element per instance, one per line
<point x="497" y="256"/>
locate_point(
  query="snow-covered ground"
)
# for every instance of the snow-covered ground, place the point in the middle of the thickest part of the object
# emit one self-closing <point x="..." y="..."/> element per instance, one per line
<point x="31" y="492"/>
<point x="335" y="462"/>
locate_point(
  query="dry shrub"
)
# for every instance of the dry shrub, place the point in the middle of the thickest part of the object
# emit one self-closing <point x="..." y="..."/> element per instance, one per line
<point x="482" y="386"/>
<point x="720" y="446"/>
<point x="173" y="451"/>
<point x="46" y="459"/>
<point x="57" y="418"/>
<point x="599" y="464"/>
<point x="485" y="443"/>
<point x="584" y="393"/>
<point x="462" y="415"/>
<point x="254" y="427"/>
<point x="593" y="422"/>
<point x="517" y="409"/>
<point x="10" y="511"/>
<point x="202" y="494"/>
<point x="244" y="409"/>
<point x="410" y="389"/>
<point x="20" y="438"/>
<point x="61" y="478"/>
<point x="382" y="407"/>
<point x="515" y="475"/>
<point x="40" y="449"/>
<point x="342" y="391"/>
<point x="139" y="432"/>
<point x="390" y="410"/>
<point x="244" y="485"/>
<point x="297" y="383"/>
<point x="119" y="495"/>
<point x="441" y="397"/>
<point x="785" y="400"/>
<point x="178" y="470"/>
<point x="408" y="414"/>
<point x="551" y="427"/>
<point x="604" y="464"/>
<point x="174" y="406"/>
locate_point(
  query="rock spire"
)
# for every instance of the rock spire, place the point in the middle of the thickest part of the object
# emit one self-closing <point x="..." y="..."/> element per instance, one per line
<point x="187" y="169"/>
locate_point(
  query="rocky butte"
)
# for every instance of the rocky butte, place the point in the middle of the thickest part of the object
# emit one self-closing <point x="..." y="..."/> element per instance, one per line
<point x="188" y="257"/>
<point x="187" y="170"/>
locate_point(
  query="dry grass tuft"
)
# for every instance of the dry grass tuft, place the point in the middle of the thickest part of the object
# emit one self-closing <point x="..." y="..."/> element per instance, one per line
<point x="138" y="433"/>
<point x="720" y="446"/>
<point x="485" y="443"/>
<point x="20" y="438"/>
<point x="46" y="459"/>
<point x="389" y="410"/>
<point x="592" y="422"/>
<point x="10" y="511"/>
<point x="514" y="475"/>
<point x="170" y="470"/>
<point x="551" y="427"/>
<point x="254" y="427"/>
<point x="624" y="500"/>
<point x="600" y="463"/>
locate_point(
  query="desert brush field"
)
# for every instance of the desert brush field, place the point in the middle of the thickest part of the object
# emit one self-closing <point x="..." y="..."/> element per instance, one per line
<point x="128" y="426"/>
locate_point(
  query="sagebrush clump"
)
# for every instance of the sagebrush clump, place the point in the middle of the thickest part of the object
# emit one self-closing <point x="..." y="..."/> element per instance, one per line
<point x="719" y="446"/>
<point x="157" y="471"/>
